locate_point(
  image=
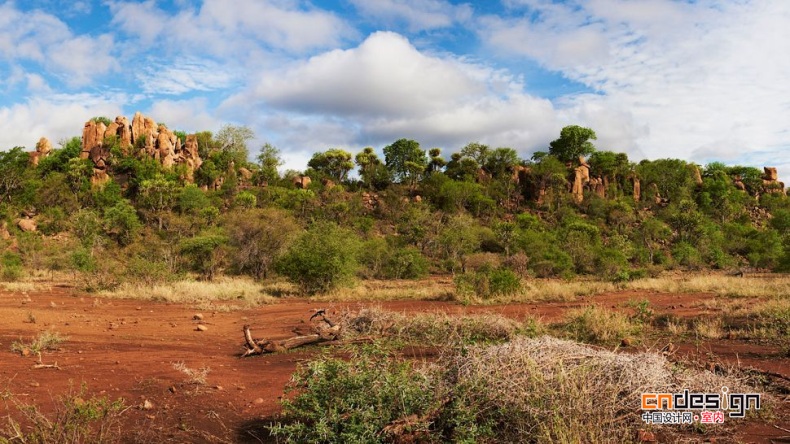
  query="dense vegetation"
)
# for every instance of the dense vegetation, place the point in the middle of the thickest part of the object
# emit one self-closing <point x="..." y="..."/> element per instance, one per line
<point x="474" y="214"/>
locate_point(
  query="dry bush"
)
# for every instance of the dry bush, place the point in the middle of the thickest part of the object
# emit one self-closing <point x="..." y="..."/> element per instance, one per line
<point x="393" y="290"/>
<point x="551" y="390"/>
<point x="194" y="376"/>
<point x="243" y="290"/>
<point x="600" y="326"/>
<point x="481" y="261"/>
<point x="709" y="328"/>
<point x="437" y="328"/>
<point x="46" y="340"/>
<point x="769" y="286"/>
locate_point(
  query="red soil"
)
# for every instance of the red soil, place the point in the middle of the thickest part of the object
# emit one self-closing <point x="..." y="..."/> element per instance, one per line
<point x="125" y="348"/>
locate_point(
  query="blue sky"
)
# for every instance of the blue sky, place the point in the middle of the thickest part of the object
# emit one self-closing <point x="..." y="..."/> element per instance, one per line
<point x="699" y="80"/>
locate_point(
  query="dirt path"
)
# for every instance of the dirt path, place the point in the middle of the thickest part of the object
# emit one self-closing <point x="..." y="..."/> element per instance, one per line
<point x="124" y="348"/>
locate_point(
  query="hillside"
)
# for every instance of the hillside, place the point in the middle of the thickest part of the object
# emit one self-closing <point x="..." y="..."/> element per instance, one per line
<point x="132" y="202"/>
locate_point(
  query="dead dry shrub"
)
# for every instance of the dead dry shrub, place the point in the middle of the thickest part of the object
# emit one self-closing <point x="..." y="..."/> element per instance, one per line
<point x="552" y="390"/>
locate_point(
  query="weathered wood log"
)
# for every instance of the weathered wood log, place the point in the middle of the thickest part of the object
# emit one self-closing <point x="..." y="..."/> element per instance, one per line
<point x="324" y="332"/>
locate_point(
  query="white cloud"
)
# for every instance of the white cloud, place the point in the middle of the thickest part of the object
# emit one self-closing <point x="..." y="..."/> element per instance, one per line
<point x="48" y="41"/>
<point x="56" y="117"/>
<point x="187" y="75"/>
<point x="189" y="115"/>
<point x="674" y="79"/>
<point x="416" y="14"/>
<point x="386" y="89"/>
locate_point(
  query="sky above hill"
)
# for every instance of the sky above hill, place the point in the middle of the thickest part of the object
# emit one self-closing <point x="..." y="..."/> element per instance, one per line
<point x="699" y="80"/>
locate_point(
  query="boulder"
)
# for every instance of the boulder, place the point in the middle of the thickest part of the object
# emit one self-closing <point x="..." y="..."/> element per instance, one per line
<point x="697" y="175"/>
<point x="124" y="132"/>
<point x="27" y="225"/>
<point x="246" y="175"/>
<point x="738" y="182"/>
<point x="770" y="174"/>
<point x="44" y="147"/>
<point x="637" y="189"/>
<point x="327" y="183"/>
<point x="302" y="182"/>
<point x="92" y="137"/>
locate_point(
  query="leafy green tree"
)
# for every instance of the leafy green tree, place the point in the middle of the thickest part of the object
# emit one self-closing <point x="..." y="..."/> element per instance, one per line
<point x="334" y="163"/>
<point x="191" y="200"/>
<point x="436" y="163"/>
<point x="373" y="172"/>
<point x="13" y="164"/>
<point x="121" y="222"/>
<point x="459" y="239"/>
<point x="58" y="159"/>
<point x="574" y="141"/>
<point x="269" y="159"/>
<point x="477" y="152"/>
<point x="500" y="162"/>
<point x="233" y="140"/>
<point x="246" y="200"/>
<point x="462" y="168"/>
<point x="321" y="259"/>
<point x="158" y="195"/>
<point x="258" y="238"/>
<point x="673" y="177"/>
<point x="205" y="252"/>
<point x="405" y="160"/>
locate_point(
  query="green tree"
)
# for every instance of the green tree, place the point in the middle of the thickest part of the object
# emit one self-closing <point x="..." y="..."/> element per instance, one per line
<point x="574" y="141"/>
<point x="477" y="152"/>
<point x="462" y="168"/>
<point x="269" y="159"/>
<point x="334" y="163"/>
<point x="258" y="238"/>
<point x="205" y="252"/>
<point x="321" y="259"/>
<point x="374" y="174"/>
<point x="405" y="160"/>
<point x="158" y="195"/>
<point x="436" y="163"/>
<point x="13" y="164"/>
<point x="121" y="222"/>
<point x="500" y="162"/>
<point x="233" y="140"/>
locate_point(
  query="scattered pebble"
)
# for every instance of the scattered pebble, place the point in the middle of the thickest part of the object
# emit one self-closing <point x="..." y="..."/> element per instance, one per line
<point x="147" y="405"/>
<point x="259" y="401"/>
<point x="198" y="317"/>
<point x="201" y="327"/>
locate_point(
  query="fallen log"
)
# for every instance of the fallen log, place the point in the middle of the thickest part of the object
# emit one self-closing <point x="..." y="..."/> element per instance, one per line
<point x="324" y="331"/>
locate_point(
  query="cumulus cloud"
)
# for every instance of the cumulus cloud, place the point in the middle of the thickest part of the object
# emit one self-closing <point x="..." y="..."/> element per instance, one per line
<point x="190" y="115"/>
<point x="386" y="89"/>
<point x="55" y="117"/>
<point x="695" y="80"/>
<point x="45" y="39"/>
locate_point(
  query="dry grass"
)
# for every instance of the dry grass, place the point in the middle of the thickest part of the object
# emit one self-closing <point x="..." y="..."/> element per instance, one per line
<point x="437" y="329"/>
<point x="598" y="325"/>
<point x="245" y="292"/>
<point x="769" y="286"/>
<point x="709" y="328"/>
<point x="552" y="390"/>
<point x="194" y="376"/>
<point x="393" y="290"/>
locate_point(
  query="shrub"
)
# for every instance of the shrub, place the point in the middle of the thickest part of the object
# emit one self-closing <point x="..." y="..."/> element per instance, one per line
<point x="600" y="326"/>
<point x="487" y="283"/>
<point x="10" y="266"/>
<point x="205" y="253"/>
<point x="245" y="199"/>
<point x="320" y="260"/>
<point x="259" y="237"/>
<point x="405" y="263"/>
<point x="121" y="222"/>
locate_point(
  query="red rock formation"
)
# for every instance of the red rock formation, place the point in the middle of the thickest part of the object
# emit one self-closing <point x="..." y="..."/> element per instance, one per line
<point x="637" y="189"/>
<point x="580" y="179"/>
<point x="92" y="137"/>
<point x="302" y="182"/>
<point x="697" y="175"/>
<point x="771" y="183"/>
<point x="43" y="149"/>
<point x="738" y="182"/>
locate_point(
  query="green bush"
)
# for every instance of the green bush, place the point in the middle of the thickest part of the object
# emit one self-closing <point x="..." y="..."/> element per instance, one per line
<point x="245" y="199"/>
<point x="487" y="283"/>
<point x="405" y="263"/>
<point x="82" y="260"/>
<point x="10" y="266"/>
<point x="322" y="259"/>
<point x="339" y="401"/>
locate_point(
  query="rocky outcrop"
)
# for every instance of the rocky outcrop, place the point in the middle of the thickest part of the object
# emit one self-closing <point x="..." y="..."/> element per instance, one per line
<point x="27" y="225"/>
<point x="580" y="179"/>
<point x="121" y="129"/>
<point x="696" y="174"/>
<point x="301" y="182"/>
<point x="771" y="182"/>
<point x="92" y="137"/>
<point x="738" y="182"/>
<point x="597" y="185"/>
<point x="43" y="149"/>
<point x="637" y="188"/>
<point x="150" y="140"/>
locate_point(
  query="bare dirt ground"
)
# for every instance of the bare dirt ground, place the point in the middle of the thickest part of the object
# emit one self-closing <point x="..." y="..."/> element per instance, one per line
<point x="125" y="348"/>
